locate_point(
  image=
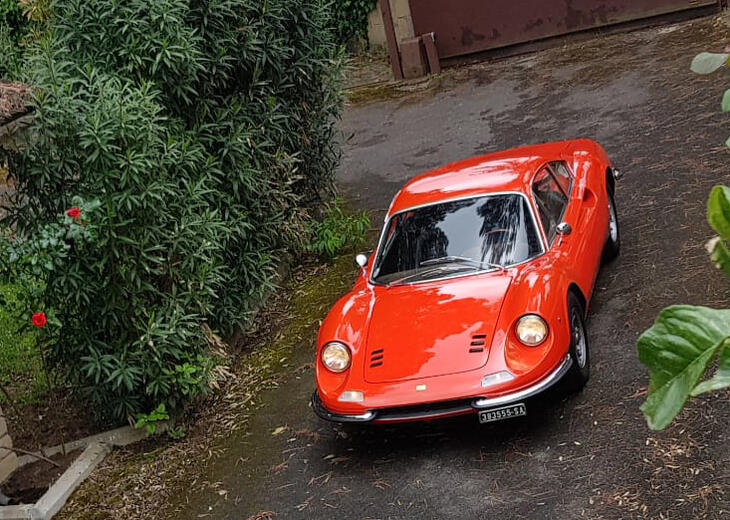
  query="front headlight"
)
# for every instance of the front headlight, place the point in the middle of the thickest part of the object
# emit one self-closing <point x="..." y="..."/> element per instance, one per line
<point x="336" y="357"/>
<point x="531" y="330"/>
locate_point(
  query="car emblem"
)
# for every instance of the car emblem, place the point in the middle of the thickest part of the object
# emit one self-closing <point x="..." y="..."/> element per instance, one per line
<point x="420" y="388"/>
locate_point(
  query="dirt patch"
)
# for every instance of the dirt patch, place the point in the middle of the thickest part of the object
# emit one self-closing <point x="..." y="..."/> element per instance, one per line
<point x="368" y="68"/>
<point x="58" y="418"/>
<point x="30" y="482"/>
<point x="394" y="90"/>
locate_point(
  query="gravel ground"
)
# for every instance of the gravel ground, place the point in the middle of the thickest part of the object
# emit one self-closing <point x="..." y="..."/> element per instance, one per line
<point x="581" y="456"/>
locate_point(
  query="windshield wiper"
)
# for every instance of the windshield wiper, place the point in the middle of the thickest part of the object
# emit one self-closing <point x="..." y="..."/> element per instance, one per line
<point x="427" y="272"/>
<point x="462" y="259"/>
<point x="474" y="264"/>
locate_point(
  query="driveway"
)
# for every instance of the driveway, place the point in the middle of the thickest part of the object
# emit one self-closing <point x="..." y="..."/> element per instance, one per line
<point x="581" y="456"/>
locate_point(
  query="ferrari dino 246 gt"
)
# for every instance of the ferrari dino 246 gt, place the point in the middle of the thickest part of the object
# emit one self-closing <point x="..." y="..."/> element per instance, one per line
<point x="476" y="297"/>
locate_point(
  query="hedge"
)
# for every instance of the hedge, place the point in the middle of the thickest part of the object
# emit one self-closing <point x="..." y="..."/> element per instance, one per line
<point x="195" y="137"/>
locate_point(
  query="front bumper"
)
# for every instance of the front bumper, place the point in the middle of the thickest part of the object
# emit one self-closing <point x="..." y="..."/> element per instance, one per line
<point x="444" y="409"/>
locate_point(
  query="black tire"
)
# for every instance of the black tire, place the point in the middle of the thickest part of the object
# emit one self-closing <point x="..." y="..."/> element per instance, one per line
<point x="613" y="242"/>
<point x="580" y="370"/>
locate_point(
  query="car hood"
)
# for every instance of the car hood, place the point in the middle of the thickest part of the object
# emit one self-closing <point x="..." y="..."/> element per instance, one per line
<point x="433" y="329"/>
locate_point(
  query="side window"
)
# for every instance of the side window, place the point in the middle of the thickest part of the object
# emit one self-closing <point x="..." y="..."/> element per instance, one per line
<point x="551" y="201"/>
<point x="562" y="175"/>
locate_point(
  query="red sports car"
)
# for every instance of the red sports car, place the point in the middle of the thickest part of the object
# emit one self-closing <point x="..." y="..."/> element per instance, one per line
<point x="476" y="297"/>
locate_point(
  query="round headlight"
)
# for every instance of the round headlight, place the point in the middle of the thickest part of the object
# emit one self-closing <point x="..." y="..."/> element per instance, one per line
<point x="336" y="357"/>
<point x="531" y="330"/>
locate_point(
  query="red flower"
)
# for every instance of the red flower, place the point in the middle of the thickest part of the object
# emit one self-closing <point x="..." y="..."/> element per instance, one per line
<point x="39" y="319"/>
<point x="74" y="212"/>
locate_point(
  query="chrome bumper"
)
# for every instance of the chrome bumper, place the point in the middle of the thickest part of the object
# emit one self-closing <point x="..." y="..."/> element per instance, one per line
<point x="447" y="408"/>
<point x="325" y="414"/>
<point x="552" y="378"/>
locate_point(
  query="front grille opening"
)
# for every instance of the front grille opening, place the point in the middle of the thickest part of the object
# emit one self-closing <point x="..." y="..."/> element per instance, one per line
<point x="425" y="410"/>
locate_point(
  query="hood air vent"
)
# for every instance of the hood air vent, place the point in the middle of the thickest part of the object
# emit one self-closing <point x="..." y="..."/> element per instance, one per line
<point x="376" y="358"/>
<point x="477" y="343"/>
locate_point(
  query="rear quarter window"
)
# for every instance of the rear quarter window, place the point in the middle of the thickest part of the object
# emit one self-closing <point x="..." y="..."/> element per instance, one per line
<point x="551" y="201"/>
<point x="562" y="175"/>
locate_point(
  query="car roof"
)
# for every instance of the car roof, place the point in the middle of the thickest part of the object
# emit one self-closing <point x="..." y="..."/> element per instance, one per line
<point x="508" y="170"/>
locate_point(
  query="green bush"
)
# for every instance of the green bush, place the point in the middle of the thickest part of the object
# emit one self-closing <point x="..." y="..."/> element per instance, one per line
<point x="12" y="19"/>
<point x="204" y="129"/>
<point x="149" y="421"/>
<point x="338" y="231"/>
<point x="21" y="366"/>
<point x="351" y="19"/>
<point x="12" y="28"/>
<point x="20" y="25"/>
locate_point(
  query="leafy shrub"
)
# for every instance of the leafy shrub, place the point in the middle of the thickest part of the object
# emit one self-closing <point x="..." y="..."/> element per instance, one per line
<point x="11" y="18"/>
<point x="19" y="357"/>
<point x="12" y="26"/>
<point x="338" y="231"/>
<point x="19" y="22"/>
<point x="149" y="421"/>
<point x="351" y="19"/>
<point x="10" y="12"/>
<point x="686" y="340"/>
<point x="203" y="129"/>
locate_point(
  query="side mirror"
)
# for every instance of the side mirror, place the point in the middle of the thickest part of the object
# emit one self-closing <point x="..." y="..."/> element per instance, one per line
<point x="361" y="260"/>
<point x="564" y="229"/>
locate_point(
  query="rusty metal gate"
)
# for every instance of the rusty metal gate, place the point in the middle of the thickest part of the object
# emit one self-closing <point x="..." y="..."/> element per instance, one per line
<point x="467" y="26"/>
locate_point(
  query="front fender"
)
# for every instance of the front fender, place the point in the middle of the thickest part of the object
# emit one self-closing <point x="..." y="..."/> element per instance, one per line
<point x="347" y="322"/>
<point x="540" y="288"/>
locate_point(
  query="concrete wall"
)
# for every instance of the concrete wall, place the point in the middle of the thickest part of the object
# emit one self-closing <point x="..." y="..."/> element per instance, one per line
<point x="8" y="459"/>
<point x="401" y="20"/>
<point x="12" y="136"/>
<point x="14" y="113"/>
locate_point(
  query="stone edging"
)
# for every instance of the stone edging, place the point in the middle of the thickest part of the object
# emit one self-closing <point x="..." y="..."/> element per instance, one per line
<point x="96" y="448"/>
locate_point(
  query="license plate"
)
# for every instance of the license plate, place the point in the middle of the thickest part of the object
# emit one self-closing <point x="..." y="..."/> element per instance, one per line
<point x="505" y="412"/>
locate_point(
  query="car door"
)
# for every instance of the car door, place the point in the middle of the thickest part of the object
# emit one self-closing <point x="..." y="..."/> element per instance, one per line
<point x="560" y="198"/>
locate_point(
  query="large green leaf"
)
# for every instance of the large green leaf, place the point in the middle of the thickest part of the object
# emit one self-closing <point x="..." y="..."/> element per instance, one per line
<point x="718" y="210"/>
<point x="677" y="350"/>
<point x="708" y="62"/>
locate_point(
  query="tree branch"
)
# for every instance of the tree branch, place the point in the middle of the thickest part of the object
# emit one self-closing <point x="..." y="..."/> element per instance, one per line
<point x="31" y="454"/>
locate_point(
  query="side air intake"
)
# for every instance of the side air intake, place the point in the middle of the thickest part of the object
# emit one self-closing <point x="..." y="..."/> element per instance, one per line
<point x="478" y="341"/>
<point x="376" y="358"/>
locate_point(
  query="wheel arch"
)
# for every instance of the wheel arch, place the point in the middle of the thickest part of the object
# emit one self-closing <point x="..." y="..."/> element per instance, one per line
<point x="575" y="289"/>
<point x="610" y="180"/>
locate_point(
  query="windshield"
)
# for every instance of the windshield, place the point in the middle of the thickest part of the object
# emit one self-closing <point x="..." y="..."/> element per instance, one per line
<point x="457" y="237"/>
